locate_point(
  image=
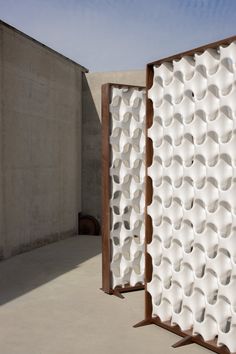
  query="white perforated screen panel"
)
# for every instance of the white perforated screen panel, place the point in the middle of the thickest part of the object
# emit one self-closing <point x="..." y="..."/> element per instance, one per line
<point x="127" y="180"/>
<point x="193" y="208"/>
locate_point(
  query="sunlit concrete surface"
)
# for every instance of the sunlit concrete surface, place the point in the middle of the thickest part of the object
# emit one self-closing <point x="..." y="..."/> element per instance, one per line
<point x="51" y="304"/>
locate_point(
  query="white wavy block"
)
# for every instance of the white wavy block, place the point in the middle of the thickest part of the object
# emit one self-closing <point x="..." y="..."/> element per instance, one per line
<point x="155" y="171"/>
<point x="157" y="86"/>
<point x="196" y="215"/>
<point x="155" y="289"/>
<point x="127" y="199"/>
<point x="207" y="328"/>
<point x="136" y="278"/>
<point x="198" y="83"/>
<point x="185" y="66"/>
<point x="208" y="240"/>
<point x="164" y="73"/>
<point x="228" y="52"/>
<point x="196" y="259"/>
<point x="138" y="263"/>
<point x="222" y="126"/>
<point x="229" y="100"/>
<point x="228" y="243"/>
<point x="136" y="248"/>
<point x="186" y="107"/>
<point x="174" y="171"/>
<point x="163" y="271"/>
<point x="165" y="111"/>
<point x="196" y="172"/>
<point x="155" y="211"/>
<point x="208" y="285"/>
<point x="174" y="294"/>
<point x="209" y="148"/>
<point x="222" y="172"/>
<point x="210" y="104"/>
<point x="163" y="310"/>
<point x="209" y="194"/>
<point x="228" y="338"/>
<point x="156" y="131"/>
<point x="185" y="193"/>
<point x="184" y="318"/>
<point x="176" y="131"/>
<point x="223" y="79"/>
<point x="155" y="250"/>
<point x="227" y="196"/>
<point x="165" y="149"/>
<point x="175" y="89"/>
<point x="228" y="292"/>
<point x="195" y="303"/>
<point x="220" y="311"/>
<point x="184" y="235"/>
<point x="137" y="211"/>
<point x="174" y="212"/>
<point x="221" y="218"/>
<point x="208" y="61"/>
<point x="163" y="231"/>
<point x="185" y="150"/>
<point x="174" y="253"/>
<point x="221" y="265"/>
<point x="164" y="191"/>
<point x="196" y="126"/>
<point x="227" y="150"/>
<point x="184" y="276"/>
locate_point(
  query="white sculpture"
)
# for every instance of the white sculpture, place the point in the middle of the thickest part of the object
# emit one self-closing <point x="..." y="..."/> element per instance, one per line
<point x="193" y="209"/>
<point x="127" y="173"/>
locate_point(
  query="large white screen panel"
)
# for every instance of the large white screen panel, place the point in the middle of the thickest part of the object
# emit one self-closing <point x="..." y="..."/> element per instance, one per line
<point x="127" y="172"/>
<point x="193" y="209"/>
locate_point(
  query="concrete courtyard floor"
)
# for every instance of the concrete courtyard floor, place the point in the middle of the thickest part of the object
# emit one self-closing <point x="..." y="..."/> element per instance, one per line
<point x="51" y="304"/>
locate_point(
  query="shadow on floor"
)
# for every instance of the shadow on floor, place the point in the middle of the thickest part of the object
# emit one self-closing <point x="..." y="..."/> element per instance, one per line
<point x="27" y="271"/>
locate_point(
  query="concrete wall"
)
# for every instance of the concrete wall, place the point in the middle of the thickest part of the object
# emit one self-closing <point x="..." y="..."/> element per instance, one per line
<point x="40" y="143"/>
<point x="91" y="130"/>
<point x="1" y="154"/>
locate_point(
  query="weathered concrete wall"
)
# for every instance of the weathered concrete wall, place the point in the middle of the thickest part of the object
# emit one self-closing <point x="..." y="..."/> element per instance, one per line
<point x="1" y="167"/>
<point x="91" y="130"/>
<point x="40" y="143"/>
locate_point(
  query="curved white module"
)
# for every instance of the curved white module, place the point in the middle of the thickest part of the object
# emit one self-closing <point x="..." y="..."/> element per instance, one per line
<point x="193" y="209"/>
<point x="127" y="180"/>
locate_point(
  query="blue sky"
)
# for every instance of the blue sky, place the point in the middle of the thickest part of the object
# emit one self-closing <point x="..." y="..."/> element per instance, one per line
<point x="106" y="35"/>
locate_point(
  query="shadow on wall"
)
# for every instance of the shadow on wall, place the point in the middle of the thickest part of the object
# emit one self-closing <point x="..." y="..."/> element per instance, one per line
<point x="91" y="139"/>
<point x="91" y="155"/>
<point x="30" y="270"/>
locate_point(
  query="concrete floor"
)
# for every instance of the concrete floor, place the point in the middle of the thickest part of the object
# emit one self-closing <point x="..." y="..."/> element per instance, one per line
<point x="51" y="304"/>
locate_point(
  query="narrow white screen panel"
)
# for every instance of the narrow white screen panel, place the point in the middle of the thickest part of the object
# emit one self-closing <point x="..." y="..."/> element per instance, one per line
<point x="193" y="209"/>
<point x="127" y="180"/>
